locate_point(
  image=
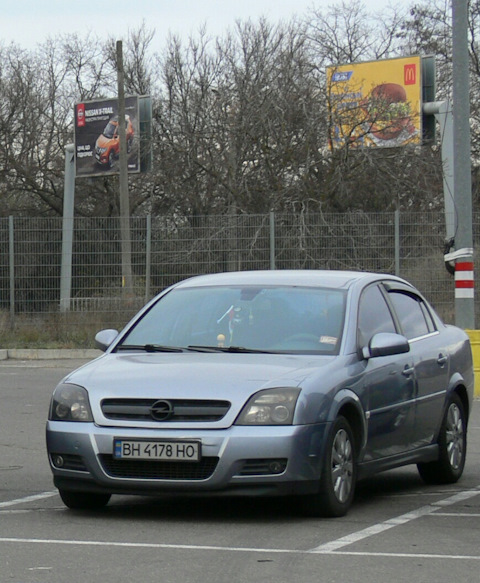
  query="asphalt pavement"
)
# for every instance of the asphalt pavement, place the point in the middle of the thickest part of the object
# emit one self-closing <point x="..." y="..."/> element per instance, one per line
<point x="398" y="529"/>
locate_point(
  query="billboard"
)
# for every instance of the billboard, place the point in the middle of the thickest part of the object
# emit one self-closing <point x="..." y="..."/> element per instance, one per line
<point x="97" y="141"/>
<point x="376" y="104"/>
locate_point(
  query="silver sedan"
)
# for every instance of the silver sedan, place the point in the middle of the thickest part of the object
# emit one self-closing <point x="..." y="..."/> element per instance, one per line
<point x="265" y="383"/>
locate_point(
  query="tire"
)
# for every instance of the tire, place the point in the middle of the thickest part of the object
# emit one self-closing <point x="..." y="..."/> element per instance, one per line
<point x="339" y="474"/>
<point x="452" y="442"/>
<point x="84" y="500"/>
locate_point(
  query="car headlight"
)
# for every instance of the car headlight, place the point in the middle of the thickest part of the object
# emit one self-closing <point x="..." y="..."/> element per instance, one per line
<point x="70" y="403"/>
<point x="270" y="407"/>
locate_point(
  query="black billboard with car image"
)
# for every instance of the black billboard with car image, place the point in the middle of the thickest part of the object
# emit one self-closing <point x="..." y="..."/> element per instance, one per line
<point x="97" y="140"/>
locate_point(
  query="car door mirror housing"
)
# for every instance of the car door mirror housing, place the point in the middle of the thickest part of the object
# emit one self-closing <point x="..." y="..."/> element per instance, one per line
<point x="385" y="344"/>
<point x="104" y="338"/>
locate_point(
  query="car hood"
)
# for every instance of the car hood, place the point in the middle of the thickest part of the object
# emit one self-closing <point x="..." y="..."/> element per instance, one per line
<point x="103" y="141"/>
<point x="229" y="377"/>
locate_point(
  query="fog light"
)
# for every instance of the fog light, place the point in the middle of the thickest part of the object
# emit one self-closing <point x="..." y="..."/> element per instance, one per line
<point x="276" y="467"/>
<point x="58" y="461"/>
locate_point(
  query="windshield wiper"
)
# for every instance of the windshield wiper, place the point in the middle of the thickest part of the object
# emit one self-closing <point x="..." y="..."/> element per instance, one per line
<point x="161" y="348"/>
<point x="235" y="349"/>
<point x="150" y="348"/>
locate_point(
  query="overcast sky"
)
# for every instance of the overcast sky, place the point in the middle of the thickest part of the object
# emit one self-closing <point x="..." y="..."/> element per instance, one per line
<point x="28" y="22"/>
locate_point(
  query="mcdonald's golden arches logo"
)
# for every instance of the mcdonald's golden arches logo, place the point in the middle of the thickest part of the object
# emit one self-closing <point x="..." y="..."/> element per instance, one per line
<point x="410" y="74"/>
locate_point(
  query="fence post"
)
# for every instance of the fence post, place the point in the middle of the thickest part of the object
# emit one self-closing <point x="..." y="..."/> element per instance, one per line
<point x="148" y="258"/>
<point x="397" y="242"/>
<point x="272" y="240"/>
<point x="11" y="261"/>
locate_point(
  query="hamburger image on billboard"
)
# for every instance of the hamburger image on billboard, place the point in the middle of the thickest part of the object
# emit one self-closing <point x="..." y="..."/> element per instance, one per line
<point x="97" y="139"/>
<point x="375" y="104"/>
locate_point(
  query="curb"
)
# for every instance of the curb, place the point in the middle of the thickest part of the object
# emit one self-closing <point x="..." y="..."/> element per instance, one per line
<point x="48" y="353"/>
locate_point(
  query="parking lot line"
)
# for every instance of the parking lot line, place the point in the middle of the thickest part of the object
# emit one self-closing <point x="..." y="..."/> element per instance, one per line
<point x="354" y="537"/>
<point x="336" y="547"/>
<point x="133" y="545"/>
<point x="32" y="498"/>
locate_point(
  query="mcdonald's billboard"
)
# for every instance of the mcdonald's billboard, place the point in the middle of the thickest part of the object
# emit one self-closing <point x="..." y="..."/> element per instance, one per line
<point x="376" y="104"/>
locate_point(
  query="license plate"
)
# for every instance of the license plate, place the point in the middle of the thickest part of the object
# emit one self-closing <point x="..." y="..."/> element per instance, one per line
<point x="174" y="451"/>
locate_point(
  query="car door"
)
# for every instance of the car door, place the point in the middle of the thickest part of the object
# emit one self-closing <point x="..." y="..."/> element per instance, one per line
<point x="430" y="357"/>
<point x="388" y="382"/>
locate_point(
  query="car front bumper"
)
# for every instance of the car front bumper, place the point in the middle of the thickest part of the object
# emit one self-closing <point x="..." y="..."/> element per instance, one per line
<point x="239" y="460"/>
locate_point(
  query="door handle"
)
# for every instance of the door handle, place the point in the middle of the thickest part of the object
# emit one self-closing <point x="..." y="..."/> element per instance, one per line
<point x="442" y="359"/>
<point x="408" y="370"/>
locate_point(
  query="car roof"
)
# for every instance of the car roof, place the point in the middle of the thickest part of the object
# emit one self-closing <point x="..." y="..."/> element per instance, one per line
<point x="307" y="278"/>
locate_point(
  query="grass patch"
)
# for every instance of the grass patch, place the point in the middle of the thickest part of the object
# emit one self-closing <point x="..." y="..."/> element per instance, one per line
<point x="72" y="330"/>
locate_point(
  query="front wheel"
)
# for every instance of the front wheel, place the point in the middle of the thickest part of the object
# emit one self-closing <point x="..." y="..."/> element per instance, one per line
<point x="111" y="159"/>
<point x="452" y="443"/>
<point x="339" y="474"/>
<point x="84" y="500"/>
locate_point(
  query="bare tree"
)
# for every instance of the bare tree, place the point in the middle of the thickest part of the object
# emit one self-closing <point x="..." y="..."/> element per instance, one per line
<point x="241" y="122"/>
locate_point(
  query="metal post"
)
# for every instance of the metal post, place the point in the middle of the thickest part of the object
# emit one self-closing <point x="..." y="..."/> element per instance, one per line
<point x="464" y="284"/>
<point x="67" y="229"/>
<point x="397" y="242"/>
<point x="272" y="240"/>
<point x="11" y="261"/>
<point x="148" y="258"/>
<point x="127" y="280"/>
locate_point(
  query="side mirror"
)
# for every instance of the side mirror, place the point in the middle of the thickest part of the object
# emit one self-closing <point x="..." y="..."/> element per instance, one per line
<point x="386" y="344"/>
<point x="104" y="338"/>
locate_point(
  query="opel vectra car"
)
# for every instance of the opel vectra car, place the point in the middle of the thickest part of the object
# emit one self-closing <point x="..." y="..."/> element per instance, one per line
<point x="265" y="383"/>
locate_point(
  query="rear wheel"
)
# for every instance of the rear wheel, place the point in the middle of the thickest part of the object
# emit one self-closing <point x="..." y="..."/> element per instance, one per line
<point x="452" y="442"/>
<point x="84" y="500"/>
<point x="339" y="474"/>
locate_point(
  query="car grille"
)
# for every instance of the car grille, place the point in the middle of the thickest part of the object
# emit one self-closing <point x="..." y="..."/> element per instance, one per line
<point x="183" y="410"/>
<point x="148" y="470"/>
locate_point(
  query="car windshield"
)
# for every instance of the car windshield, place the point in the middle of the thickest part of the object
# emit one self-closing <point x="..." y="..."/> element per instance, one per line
<point x="264" y="319"/>
<point x="109" y="130"/>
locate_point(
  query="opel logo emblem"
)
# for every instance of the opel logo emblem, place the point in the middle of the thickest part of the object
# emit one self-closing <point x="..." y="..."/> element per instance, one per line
<point x="161" y="410"/>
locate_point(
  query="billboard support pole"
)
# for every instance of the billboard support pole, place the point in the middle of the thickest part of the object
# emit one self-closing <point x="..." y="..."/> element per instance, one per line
<point x="464" y="280"/>
<point x="67" y="229"/>
<point x="127" y="280"/>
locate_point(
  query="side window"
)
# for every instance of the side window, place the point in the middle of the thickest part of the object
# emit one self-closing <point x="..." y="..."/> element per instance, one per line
<point x="428" y="318"/>
<point x="411" y="313"/>
<point x="373" y="315"/>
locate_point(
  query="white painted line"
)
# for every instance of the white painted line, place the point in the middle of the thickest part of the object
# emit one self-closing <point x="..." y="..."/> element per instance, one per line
<point x="233" y="549"/>
<point x="406" y="555"/>
<point x="32" y="498"/>
<point x="148" y="545"/>
<point x="459" y="497"/>
<point x="354" y="537"/>
<point x="459" y="514"/>
<point x="330" y="548"/>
